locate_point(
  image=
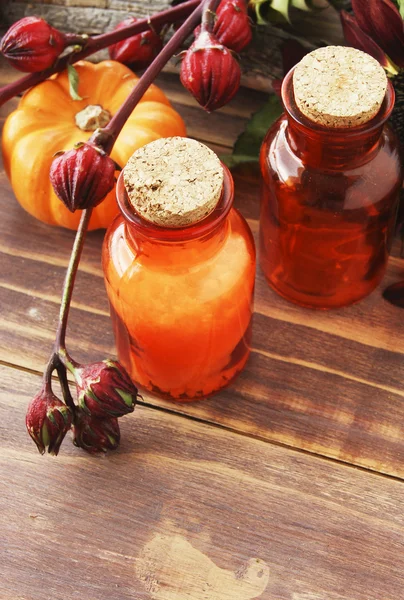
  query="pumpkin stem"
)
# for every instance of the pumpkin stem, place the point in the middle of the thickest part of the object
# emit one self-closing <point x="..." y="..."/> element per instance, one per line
<point x="92" y="117"/>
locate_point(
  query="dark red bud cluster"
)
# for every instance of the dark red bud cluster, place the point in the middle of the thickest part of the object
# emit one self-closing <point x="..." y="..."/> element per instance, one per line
<point x="82" y="177"/>
<point x="137" y="51"/>
<point x="31" y="45"/>
<point x="210" y="72"/>
<point x="105" y="392"/>
<point x="48" y="420"/>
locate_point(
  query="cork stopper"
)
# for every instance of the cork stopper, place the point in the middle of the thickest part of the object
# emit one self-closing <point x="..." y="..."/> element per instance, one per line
<point x="339" y="87"/>
<point x="174" y="182"/>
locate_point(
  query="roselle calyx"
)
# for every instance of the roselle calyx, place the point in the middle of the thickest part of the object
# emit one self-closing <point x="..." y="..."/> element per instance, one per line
<point x="104" y="389"/>
<point x="95" y="435"/>
<point x="48" y="420"/>
<point x="82" y="177"/>
<point x="137" y="51"/>
<point x="32" y="45"/>
<point x="232" y="25"/>
<point x="210" y="72"/>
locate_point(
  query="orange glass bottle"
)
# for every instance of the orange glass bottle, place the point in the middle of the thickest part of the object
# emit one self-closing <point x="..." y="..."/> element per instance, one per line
<point x="180" y="296"/>
<point x="329" y="197"/>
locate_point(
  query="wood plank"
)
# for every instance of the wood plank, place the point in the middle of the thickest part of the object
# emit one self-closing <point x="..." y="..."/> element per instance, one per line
<point x="184" y="510"/>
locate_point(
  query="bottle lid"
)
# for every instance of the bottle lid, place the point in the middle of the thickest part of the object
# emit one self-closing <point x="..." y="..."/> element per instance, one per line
<point x="337" y="86"/>
<point x="174" y="182"/>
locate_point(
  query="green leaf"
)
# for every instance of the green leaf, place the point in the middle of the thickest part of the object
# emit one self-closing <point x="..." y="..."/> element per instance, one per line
<point x="260" y="7"/>
<point x="73" y="82"/>
<point x="126" y="397"/>
<point x="45" y="435"/>
<point x="302" y="4"/>
<point x="282" y="6"/>
<point x="247" y="147"/>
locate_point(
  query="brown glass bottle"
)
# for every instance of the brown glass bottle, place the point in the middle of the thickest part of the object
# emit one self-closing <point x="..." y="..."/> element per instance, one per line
<point x="329" y="200"/>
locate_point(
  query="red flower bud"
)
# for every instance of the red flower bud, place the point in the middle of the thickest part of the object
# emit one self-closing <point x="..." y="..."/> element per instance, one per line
<point x="95" y="435"/>
<point x="382" y="22"/>
<point x="233" y="26"/>
<point x="31" y="45"/>
<point x="210" y="72"/>
<point x="82" y="177"/>
<point x="137" y="51"/>
<point x="48" y="420"/>
<point x="105" y="389"/>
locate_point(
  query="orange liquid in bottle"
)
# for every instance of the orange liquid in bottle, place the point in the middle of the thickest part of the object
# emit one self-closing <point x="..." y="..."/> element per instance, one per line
<point x="181" y="300"/>
<point x="329" y="201"/>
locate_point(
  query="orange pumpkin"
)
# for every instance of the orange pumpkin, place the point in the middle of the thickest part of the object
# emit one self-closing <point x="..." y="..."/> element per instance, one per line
<point x="45" y="122"/>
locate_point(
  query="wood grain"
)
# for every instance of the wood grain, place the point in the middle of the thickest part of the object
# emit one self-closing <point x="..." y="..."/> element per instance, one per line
<point x="184" y="511"/>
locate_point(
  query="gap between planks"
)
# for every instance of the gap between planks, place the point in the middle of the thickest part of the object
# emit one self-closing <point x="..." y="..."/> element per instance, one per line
<point x="193" y="418"/>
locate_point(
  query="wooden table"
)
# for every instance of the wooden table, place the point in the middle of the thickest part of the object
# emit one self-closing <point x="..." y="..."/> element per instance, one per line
<point x="286" y="486"/>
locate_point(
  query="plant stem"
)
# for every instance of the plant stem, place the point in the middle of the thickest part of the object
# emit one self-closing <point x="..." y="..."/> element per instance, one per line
<point x="93" y="44"/>
<point x="107" y="136"/>
<point x="64" y="384"/>
<point x="56" y="363"/>
<point x="209" y="16"/>
<point x="60" y="343"/>
<point x="75" y="39"/>
<point x="50" y="367"/>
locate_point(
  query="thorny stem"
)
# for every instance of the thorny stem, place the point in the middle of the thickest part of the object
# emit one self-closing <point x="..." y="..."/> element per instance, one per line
<point x="98" y="42"/>
<point x="107" y="136"/>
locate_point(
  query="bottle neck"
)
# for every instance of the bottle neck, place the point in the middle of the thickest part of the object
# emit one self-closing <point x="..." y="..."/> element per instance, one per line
<point x="177" y="247"/>
<point x="332" y="148"/>
<point x="176" y="254"/>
